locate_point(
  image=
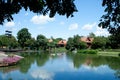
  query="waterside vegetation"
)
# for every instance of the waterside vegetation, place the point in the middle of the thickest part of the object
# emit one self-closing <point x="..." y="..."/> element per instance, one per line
<point x="91" y="44"/>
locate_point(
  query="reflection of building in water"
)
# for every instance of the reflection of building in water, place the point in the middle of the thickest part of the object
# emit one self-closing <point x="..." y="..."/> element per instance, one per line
<point x="88" y="61"/>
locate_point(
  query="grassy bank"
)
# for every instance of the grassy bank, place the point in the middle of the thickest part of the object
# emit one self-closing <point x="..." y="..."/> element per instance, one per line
<point x="87" y="51"/>
<point x="108" y="53"/>
<point x="60" y="49"/>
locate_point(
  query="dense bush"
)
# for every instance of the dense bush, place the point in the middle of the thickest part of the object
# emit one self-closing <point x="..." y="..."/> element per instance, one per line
<point x="87" y="51"/>
<point x="75" y="43"/>
<point x="119" y="54"/>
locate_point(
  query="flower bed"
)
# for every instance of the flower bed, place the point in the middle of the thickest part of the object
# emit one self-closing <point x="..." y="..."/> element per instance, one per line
<point x="10" y="60"/>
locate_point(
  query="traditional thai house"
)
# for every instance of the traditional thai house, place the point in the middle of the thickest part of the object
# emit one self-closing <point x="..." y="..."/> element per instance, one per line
<point x="62" y="43"/>
<point x="87" y="40"/>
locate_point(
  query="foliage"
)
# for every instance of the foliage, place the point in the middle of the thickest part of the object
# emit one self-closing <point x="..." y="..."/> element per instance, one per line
<point x="87" y="51"/>
<point x="115" y="39"/>
<point x="111" y="20"/>
<point x="13" y="42"/>
<point x="6" y="41"/>
<point x="99" y="42"/>
<point x="94" y="60"/>
<point x="75" y="43"/>
<point x="82" y="45"/>
<point x="92" y="35"/>
<point x="42" y="42"/>
<point x="23" y="35"/>
<point x="61" y="7"/>
<point x="60" y="50"/>
<point x="31" y="43"/>
<point x="70" y="44"/>
<point x="30" y="58"/>
<point x="51" y="44"/>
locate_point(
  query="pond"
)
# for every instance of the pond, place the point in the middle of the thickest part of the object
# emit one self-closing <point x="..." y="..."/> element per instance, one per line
<point x="62" y="66"/>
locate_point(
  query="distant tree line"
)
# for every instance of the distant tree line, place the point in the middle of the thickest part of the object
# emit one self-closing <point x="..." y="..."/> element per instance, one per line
<point x="25" y="41"/>
<point x="99" y="42"/>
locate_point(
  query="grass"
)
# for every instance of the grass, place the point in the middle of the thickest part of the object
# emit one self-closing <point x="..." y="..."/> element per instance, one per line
<point x="114" y="53"/>
<point x="87" y="51"/>
<point x="108" y="53"/>
<point x="60" y="49"/>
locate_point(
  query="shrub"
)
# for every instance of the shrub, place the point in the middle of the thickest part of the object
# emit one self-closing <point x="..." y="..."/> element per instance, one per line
<point x="87" y="51"/>
<point x="119" y="54"/>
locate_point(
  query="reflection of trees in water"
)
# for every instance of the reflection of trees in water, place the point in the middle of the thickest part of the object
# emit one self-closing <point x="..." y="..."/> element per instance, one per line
<point x="9" y="69"/>
<point x="30" y="58"/>
<point x="112" y="62"/>
<point x="117" y="74"/>
<point x="26" y="62"/>
<point x="79" y="59"/>
<point x="95" y="61"/>
<point x="41" y="59"/>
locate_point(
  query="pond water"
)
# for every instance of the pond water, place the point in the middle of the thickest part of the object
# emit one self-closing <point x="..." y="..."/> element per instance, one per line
<point x="62" y="66"/>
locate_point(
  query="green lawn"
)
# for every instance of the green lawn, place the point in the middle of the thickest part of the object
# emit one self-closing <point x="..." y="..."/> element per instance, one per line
<point x="108" y="53"/>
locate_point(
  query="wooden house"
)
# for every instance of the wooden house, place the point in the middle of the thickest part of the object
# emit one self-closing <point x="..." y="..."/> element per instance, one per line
<point x="87" y="40"/>
<point x="62" y="43"/>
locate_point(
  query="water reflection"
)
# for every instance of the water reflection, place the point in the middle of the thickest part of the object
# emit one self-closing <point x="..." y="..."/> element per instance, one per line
<point x="42" y="66"/>
<point x="42" y="74"/>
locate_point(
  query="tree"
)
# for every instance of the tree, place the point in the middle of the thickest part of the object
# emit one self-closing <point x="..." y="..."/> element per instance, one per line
<point x="79" y="44"/>
<point x="31" y="43"/>
<point x="111" y="20"/>
<point x="75" y="43"/>
<point x="6" y="41"/>
<point x="115" y="40"/>
<point x="76" y="40"/>
<point x="70" y="44"/>
<point x="23" y="35"/>
<point x="12" y="42"/>
<point x="42" y="42"/>
<point x="61" y="7"/>
<point x="92" y="35"/>
<point x="99" y="42"/>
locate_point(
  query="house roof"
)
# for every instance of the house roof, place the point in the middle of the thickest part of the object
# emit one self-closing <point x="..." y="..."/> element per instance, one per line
<point x="87" y="39"/>
<point x="62" y="42"/>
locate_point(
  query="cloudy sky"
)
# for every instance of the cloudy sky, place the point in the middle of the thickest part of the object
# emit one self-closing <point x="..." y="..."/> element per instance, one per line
<point x="84" y="22"/>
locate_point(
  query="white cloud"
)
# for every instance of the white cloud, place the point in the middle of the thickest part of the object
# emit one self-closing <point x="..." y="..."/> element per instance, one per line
<point x="10" y="24"/>
<point x="101" y="32"/>
<point x="89" y="26"/>
<point x="73" y="26"/>
<point x="41" y="19"/>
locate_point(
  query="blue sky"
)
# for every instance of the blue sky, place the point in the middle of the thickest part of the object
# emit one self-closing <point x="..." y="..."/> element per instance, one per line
<point x="84" y="22"/>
